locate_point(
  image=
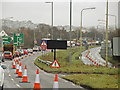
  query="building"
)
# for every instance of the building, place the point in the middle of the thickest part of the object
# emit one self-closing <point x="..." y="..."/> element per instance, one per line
<point x="3" y="33"/>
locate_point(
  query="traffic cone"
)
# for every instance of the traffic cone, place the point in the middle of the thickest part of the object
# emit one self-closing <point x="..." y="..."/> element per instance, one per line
<point x="22" y="57"/>
<point x="14" y="67"/>
<point x="25" y="79"/>
<point x="33" y="53"/>
<point x="55" y="84"/>
<point x="25" y="55"/>
<point x="19" y="58"/>
<point x="37" y="82"/>
<point x="29" y="54"/>
<point x="17" y="67"/>
<point x="37" y="52"/>
<point x="20" y="71"/>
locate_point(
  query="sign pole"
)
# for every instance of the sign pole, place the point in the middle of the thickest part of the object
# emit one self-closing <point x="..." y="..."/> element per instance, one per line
<point x="54" y="54"/>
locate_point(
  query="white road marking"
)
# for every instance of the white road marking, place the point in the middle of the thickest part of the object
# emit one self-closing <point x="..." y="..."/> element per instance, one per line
<point x="12" y="79"/>
<point x="9" y="75"/>
<point x="73" y="84"/>
<point x="18" y="85"/>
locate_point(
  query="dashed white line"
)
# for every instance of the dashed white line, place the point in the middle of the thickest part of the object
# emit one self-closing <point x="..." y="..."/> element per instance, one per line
<point x="12" y="79"/>
<point x="18" y="85"/>
<point x="9" y="75"/>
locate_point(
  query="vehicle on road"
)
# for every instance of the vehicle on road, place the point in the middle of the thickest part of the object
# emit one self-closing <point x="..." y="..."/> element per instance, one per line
<point x="2" y="58"/>
<point x="30" y="50"/>
<point x="8" y="55"/>
<point x="35" y="49"/>
<point x="2" y="66"/>
<point x="10" y="50"/>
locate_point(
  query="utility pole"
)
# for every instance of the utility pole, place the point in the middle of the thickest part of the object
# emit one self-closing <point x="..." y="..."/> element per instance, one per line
<point x="70" y="28"/>
<point x="107" y="35"/>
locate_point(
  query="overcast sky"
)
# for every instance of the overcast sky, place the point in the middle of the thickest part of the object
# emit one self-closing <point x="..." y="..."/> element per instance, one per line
<point x="39" y="12"/>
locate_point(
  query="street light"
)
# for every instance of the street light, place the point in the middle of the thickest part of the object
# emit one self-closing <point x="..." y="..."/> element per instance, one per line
<point x="51" y="17"/>
<point x="115" y="19"/>
<point x="81" y="29"/>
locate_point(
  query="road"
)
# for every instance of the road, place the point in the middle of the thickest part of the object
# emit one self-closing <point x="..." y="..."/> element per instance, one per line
<point x="95" y="57"/>
<point x="46" y="79"/>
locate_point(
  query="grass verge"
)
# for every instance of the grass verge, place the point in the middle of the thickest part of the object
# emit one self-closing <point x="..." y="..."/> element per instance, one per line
<point x="77" y="65"/>
<point x="94" y="80"/>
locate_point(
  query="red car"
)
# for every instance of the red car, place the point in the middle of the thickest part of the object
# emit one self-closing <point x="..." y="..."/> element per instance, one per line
<point x="25" y="52"/>
<point x="8" y="55"/>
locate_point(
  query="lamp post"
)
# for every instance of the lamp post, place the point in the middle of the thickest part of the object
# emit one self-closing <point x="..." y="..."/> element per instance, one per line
<point x="115" y="20"/>
<point x="51" y="18"/>
<point x="107" y="35"/>
<point x="81" y="30"/>
<point x="70" y="28"/>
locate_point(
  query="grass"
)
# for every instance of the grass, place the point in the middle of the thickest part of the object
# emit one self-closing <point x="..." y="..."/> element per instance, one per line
<point x="94" y="80"/>
<point x="77" y="65"/>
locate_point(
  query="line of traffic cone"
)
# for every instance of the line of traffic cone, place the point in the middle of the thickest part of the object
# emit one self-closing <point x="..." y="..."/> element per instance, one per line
<point x="37" y="81"/>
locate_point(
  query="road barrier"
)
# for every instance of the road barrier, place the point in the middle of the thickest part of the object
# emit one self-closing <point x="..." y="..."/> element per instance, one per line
<point x="37" y="81"/>
<point x="55" y="84"/>
<point x="45" y="62"/>
<point x="20" y="71"/>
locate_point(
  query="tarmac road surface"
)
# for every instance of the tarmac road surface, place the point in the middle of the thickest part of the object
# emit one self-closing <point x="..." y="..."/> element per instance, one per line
<point x="46" y="79"/>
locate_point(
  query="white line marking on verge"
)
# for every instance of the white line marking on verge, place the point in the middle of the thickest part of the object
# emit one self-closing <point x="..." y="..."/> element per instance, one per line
<point x="18" y="85"/>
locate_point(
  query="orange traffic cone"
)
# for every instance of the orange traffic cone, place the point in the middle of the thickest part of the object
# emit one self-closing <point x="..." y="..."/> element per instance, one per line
<point x="37" y="52"/>
<point x="37" y="82"/>
<point x="14" y="67"/>
<point x="25" y="55"/>
<point x="20" y="71"/>
<point x="22" y="57"/>
<point x="55" y="84"/>
<point x="17" y="67"/>
<point x="19" y="58"/>
<point x="25" y="79"/>
<point x="29" y="54"/>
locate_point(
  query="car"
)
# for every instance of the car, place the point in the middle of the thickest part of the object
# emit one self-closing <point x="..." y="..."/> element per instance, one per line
<point x="2" y="57"/>
<point x="8" y="55"/>
<point x="19" y="52"/>
<point x="30" y="50"/>
<point x="22" y="52"/>
<point x="2" y="67"/>
<point x="35" y="49"/>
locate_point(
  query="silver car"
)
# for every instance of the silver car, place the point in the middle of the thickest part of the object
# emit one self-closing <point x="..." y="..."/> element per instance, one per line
<point x="2" y="57"/>
<point x="2" y="66"/>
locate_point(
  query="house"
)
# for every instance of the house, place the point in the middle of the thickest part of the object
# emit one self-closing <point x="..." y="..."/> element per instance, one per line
<point x="3" y="33"/>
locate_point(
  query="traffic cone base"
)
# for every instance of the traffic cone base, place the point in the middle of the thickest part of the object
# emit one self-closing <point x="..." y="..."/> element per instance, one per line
<point x="19" y="74"/>
<point x="24" y="79"/>
<point x="36" y="85"/>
